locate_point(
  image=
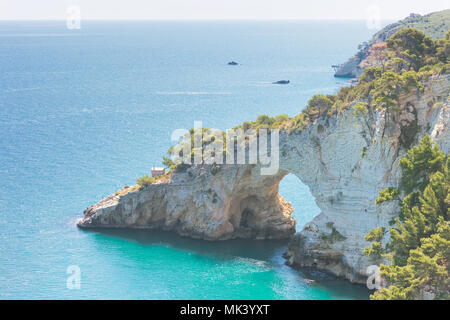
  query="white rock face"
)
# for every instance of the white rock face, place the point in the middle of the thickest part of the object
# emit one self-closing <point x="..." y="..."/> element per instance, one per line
<point x="345" y="183"/>
<point x="344" y="160"/>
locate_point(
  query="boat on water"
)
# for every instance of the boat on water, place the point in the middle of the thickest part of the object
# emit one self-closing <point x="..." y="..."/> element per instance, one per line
<point x="281" y="82"/>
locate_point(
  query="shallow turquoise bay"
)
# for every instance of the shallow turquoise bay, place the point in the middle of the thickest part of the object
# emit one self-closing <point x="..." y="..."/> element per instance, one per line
<point x="84" y="112"/>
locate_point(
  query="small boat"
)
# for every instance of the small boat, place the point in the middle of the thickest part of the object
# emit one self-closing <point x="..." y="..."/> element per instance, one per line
<point x="281" y="82"/>
<point x="233" y="63"/>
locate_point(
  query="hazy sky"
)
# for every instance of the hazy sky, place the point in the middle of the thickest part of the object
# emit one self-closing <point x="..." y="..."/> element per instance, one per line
<point x="218" y="9"/>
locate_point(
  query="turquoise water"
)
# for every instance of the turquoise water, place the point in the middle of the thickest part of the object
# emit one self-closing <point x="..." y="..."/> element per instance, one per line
<point x="84" y="112"/>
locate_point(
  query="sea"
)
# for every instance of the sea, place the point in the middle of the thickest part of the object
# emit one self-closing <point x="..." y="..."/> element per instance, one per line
<point x="86" y="111"/>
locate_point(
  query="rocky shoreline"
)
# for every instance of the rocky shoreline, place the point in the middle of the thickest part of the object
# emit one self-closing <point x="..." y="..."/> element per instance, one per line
<point x="199" y="202"/>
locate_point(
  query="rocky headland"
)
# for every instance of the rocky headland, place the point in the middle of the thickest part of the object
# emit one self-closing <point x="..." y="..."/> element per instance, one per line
<point x="434" y="25"/>
<point x="344" y="159"/>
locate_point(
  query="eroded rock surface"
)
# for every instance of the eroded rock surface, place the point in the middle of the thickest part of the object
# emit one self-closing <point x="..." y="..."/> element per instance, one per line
<point x="203" y="201"/>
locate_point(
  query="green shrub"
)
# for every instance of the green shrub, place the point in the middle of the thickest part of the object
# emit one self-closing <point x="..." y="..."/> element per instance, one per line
<point x="360" y="109"/>
<point x="145" y="181"/>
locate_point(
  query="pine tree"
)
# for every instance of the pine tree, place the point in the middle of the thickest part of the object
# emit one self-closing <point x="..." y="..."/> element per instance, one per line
<point x="419" y="246"/>
<point x="419" y="163"/>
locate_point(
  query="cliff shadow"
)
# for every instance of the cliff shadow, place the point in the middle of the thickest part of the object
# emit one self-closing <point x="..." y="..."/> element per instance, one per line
<point x="225" y="249"/>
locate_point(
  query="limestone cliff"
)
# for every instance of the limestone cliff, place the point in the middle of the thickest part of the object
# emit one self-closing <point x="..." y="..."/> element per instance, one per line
<point x="353" y="161"/>
<point x="202" y="201"/>
<point x="343" y="159"/>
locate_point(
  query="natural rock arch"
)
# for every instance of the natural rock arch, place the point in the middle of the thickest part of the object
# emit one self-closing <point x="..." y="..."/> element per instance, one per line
<point x="344" y="162"/>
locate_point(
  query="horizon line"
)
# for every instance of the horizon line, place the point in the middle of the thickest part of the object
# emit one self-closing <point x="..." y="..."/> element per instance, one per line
<point x="205" y="19"/>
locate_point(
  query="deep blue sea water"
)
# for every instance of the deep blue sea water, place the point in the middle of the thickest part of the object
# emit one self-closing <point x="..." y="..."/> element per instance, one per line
<point x="84" y="112"/>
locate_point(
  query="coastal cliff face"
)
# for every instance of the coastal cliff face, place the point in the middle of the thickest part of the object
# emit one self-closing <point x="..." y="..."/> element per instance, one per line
<point x="434" y="25"/>
<point x="345" y="161"/>
<point x="348" y="163"/>
<point x="203" y="201"/>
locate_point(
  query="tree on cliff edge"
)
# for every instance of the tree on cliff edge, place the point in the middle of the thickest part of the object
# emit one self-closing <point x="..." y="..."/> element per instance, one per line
<point x="419" y="246"/>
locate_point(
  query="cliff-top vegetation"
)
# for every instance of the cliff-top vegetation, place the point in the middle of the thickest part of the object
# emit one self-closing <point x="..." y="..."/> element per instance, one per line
<point x="435" y="25"/>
